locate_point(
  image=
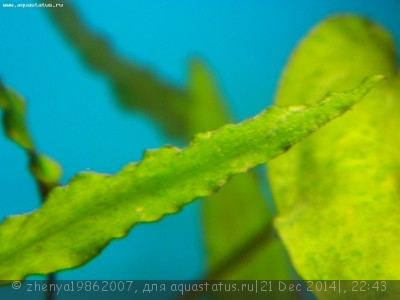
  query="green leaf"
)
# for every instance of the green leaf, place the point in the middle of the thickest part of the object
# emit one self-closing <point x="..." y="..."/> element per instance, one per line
<point x="45" y="170"/>
<point x="337" y="193"/>
<point x="206" y="109"/>
<point x="76" y="222"/>
<point x="14" y="118"/>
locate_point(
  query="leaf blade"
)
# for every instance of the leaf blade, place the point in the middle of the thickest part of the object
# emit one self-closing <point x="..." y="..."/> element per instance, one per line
<point x="75" y="222"/>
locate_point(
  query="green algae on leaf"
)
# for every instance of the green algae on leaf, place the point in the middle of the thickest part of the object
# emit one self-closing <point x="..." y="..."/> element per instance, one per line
<point x="76" y="222"/>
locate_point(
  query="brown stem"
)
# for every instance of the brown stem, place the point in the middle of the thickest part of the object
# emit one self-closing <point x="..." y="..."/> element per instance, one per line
<point x="263" y="236"/>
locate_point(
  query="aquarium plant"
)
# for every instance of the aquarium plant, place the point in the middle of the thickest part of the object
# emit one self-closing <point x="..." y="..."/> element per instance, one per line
<point x="332" y="165"/>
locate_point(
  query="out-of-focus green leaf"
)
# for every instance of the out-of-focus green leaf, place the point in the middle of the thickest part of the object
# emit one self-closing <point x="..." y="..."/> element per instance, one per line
<point x="14" y="123"/>
<point x="136" y="87"/>
<point x="76" y="222"/>
<point x="206" y="109"/>
<point x="239" y="207"/>
<point x="337" y="193"/>
<point x="44" y="169"/>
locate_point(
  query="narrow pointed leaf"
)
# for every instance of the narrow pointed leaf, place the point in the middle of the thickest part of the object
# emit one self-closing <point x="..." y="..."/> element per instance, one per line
<point x="136" y="87"/>
<point x="76" y="222"/>
<point x="337" y="193"/>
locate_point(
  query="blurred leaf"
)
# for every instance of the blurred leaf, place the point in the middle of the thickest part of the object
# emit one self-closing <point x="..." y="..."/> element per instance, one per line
<point x="207" y="109"/>
<point x="14" y="118"/>
<point x="136" y="87"/>
<point x="76" y="222"/>
<point x="44" y="169"/>
<point x="251" y="252"/>
<point x="337" y="193"/>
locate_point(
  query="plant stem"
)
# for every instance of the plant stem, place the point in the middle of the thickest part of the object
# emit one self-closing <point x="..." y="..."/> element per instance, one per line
<point x="263" y="236"/>
<point x="44" y="188"/>
<point x="259" y="240"/>
<point x="51" y="279"/>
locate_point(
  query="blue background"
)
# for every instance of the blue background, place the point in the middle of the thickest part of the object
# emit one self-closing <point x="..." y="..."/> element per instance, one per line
<point x="74" y="118"/>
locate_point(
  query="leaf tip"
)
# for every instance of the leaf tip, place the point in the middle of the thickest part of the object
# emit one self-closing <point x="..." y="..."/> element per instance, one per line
<point x="372" y="80"/>
<point x="367" y="84"/>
